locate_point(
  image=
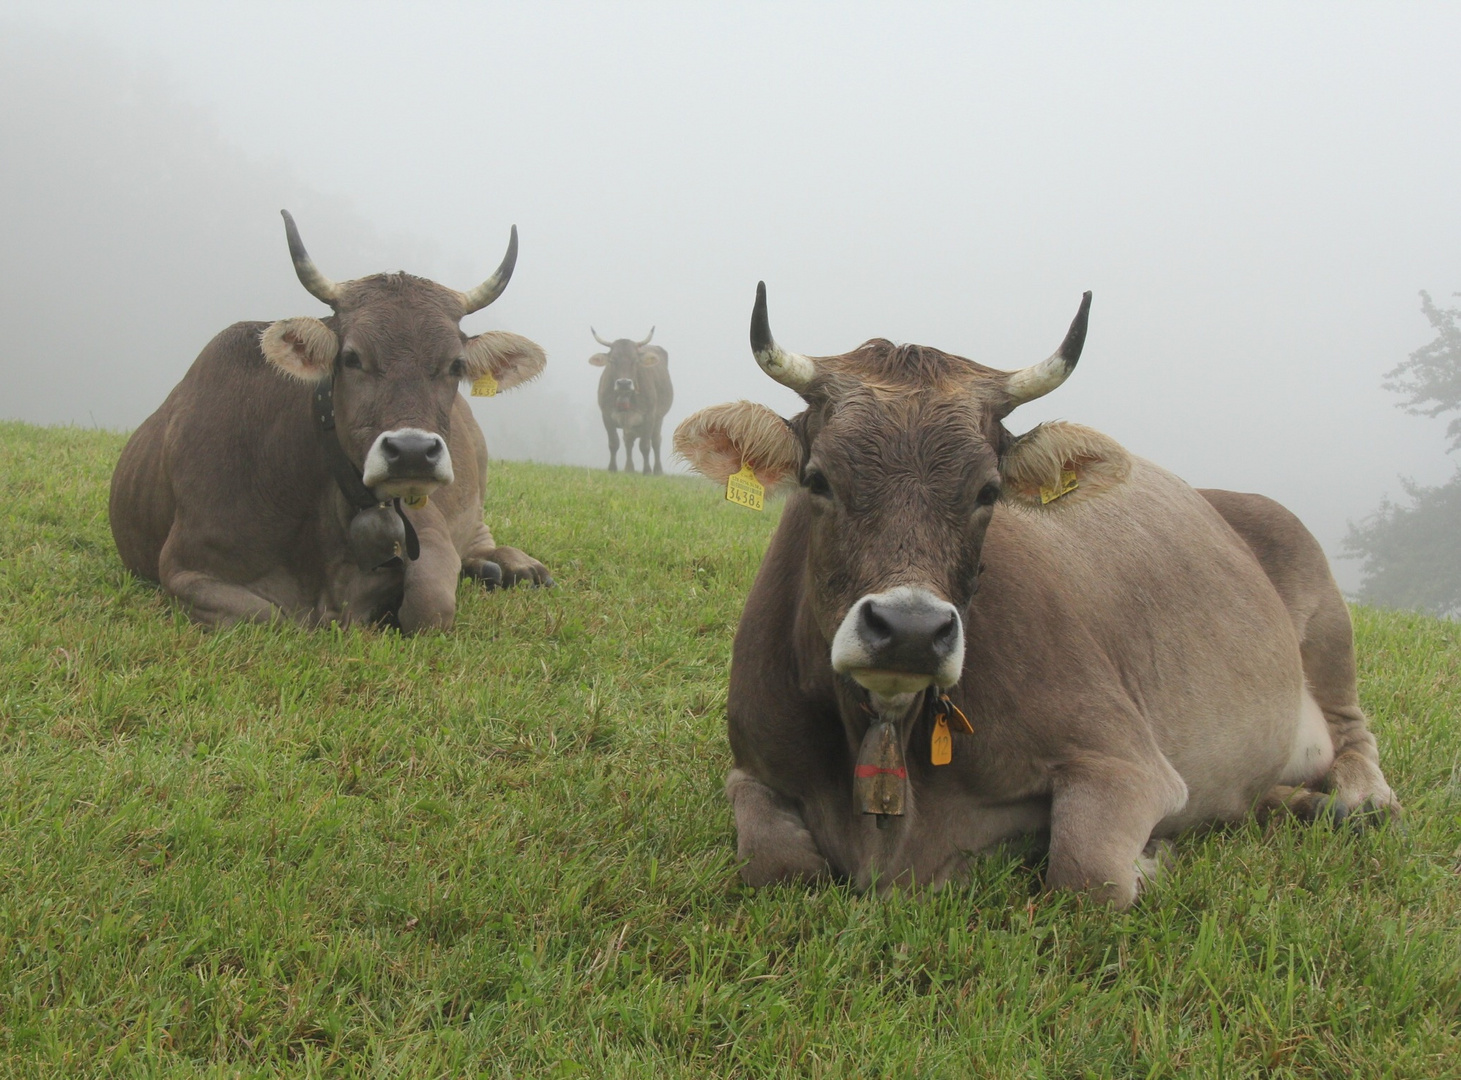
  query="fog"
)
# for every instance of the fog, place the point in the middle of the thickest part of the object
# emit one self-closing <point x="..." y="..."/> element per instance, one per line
<point x="1255" y="196"/>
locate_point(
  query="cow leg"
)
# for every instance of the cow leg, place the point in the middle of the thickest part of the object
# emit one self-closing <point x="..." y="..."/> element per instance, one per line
<point x="614" y="447"/>
<point x="429" y="600"/>
<point x="208" y="599"/>
<point x="658" y="466"/>
<point x="1354" y="781"/>
<point x="772" y="840"/>
<point x="506" y="566"/>
<point x="1101" y="821"/>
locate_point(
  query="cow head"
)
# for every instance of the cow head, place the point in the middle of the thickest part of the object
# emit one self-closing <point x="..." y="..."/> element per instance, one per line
<point x="395" y="354"/>
<point x="901" y="456"/>
<point x="622" y="385"/>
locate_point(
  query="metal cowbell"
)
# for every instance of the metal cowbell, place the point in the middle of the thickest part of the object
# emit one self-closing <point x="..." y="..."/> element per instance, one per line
<point x="881" y="776"/>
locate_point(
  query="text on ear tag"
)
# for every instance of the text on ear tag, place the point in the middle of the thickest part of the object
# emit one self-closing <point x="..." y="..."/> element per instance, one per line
<point x="1068" y="483"/>
<point x="485" y="386"/>
<point x="942" y="750"/>
<point x="743" y="489"/>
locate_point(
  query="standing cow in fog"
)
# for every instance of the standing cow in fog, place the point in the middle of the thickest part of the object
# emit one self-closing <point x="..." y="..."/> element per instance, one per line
<point x="327" y="470"/>
<point x="634" y="395"/>
<point x="960" y="635"/>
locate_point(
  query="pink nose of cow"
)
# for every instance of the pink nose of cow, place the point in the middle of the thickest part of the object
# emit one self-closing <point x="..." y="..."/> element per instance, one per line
<point x="411" y="453"/>
<point x="916" y="637"/>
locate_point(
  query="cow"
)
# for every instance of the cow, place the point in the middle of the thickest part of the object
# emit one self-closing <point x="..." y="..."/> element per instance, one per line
<point x="634" y="395"/>
<point x="327" y="470"/>
<point x="960" y="636"/>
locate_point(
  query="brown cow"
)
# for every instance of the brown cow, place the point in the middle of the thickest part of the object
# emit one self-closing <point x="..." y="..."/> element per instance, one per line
<point x="271" y="482"/>
<point x="634" y="395"/>
<point x="1125" y="664"/>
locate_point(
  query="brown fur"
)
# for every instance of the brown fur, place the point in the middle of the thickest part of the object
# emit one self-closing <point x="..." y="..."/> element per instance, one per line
<point x="223" y="495"/>
<point x="1130" y="668"/>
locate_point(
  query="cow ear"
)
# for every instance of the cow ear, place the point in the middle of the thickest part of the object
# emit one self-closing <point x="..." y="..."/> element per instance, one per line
<point x="302" y="348"/>
<point x="719" y="440"/>
<point x="509" y="358"/>
<point x="599" y="359"/>
<point x="651" y="355"/>
<point x="1060" y="464"/>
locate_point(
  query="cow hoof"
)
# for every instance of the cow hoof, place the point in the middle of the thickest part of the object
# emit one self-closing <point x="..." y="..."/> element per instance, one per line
<point x="489" y="574"/>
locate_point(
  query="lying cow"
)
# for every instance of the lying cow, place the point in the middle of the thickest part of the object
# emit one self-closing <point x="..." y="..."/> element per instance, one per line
<point x="1128" y="664"/>
<point x="327" y="470"/>
<point x="634" y="395"/>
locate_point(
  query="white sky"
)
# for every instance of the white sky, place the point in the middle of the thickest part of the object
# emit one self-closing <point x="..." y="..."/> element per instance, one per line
<point x="1254" y="193"/>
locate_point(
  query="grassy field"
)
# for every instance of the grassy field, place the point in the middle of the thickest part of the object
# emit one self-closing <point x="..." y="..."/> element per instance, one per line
<point x="504" y="851"/>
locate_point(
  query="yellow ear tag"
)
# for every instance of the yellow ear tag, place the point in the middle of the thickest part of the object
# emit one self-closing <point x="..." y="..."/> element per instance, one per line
<point x="1068" y="483"/>
<point x="415" y="502"/>
<point x="486" y="386"/>
<point x="943" y="744"/>
<point x="743" y="489"/>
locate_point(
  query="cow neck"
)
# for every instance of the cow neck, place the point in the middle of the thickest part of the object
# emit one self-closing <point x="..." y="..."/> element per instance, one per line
<point x="347" y="478"/>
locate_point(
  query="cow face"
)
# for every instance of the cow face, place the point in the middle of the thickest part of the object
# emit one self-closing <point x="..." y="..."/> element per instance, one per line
<point x="901" y="457"/>
<point x="396" y="356"/>
<point x="622" y="390"/>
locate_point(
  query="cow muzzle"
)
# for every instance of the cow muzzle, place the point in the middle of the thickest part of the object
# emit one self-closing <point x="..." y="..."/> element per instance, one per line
<point x="624" y="386"/>
<point x="900" y="642"/>
<point x="407" y="463"/>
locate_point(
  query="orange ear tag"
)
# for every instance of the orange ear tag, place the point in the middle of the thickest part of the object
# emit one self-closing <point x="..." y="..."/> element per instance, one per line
<point x="743" y="489"/>
<point x="485" y="386"/>
<point x="943" y="744"/>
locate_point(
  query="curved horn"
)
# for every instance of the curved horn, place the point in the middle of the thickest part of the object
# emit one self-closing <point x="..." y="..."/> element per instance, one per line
<point x="645" y="342"/>
<point x="492" y="288"/>
<point x="1037" y="380"/>
<point x="788" y="368"/>
<point x="319" y="286"/>
<point x="601" y="341"/>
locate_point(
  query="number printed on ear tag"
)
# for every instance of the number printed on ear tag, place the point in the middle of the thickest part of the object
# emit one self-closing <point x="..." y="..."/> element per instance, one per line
<point x="942" y="750"/>
<point x="743" y="489"/>
<point x="485" y="386"/>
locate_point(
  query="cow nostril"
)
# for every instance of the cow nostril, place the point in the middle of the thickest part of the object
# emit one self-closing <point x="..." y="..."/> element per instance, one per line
<point x="876" y="623"/>
<point x="433" y="452"/>
<point x="945" y="636"/>
<point x="389" y="448"/>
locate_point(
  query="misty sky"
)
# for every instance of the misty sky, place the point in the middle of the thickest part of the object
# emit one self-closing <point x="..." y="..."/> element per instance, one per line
<point x="1255" y="195"/>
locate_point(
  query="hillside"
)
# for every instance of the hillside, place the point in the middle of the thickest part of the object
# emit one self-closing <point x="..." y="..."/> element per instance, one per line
<point x="504" y="850"/>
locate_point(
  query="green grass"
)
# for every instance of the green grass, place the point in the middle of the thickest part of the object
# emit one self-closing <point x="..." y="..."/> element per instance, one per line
<point x="504" y="851"/>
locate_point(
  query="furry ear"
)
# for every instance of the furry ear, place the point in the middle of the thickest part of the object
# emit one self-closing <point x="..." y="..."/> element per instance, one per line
<point x="650" y="355"/>
<point x="1060" y="464"/>
<point x="717" y="441"/>
<point x="301" y="348"/>
<point x="509" y="358"/>
<point x="599" y="359"/>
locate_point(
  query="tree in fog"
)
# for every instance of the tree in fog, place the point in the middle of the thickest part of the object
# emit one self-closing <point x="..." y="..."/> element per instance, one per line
<point x="1411" y="555"/>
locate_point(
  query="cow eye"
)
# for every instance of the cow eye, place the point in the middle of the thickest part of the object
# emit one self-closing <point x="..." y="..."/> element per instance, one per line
<point x="350" y="359"/>
<point x="458" y="369"/>
<point x="988" y="494"/>
<point x="816" y="483"/>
